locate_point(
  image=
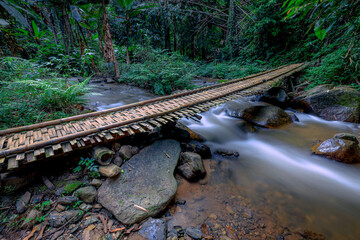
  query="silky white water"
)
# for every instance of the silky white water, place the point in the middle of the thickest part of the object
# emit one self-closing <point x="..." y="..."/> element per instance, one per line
<point x="319" y="193"/>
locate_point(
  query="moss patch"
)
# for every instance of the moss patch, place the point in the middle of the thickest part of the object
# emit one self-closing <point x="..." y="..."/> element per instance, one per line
<point x="71" y="187"/>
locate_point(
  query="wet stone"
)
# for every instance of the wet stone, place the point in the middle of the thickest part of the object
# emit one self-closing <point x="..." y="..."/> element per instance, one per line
<point x="154" y="229"/>
<point x="194" y="233"/>
<point x="37" y="198"/>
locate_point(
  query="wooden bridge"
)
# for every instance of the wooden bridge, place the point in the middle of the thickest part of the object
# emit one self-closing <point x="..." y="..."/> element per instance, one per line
<point x="25" y="145"/>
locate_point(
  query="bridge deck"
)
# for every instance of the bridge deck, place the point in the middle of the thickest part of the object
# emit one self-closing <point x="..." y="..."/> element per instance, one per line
<point x="25" y="145"/>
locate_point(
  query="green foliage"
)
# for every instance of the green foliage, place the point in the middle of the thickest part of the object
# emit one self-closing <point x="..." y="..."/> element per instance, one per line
<point x="88" y="165"/>
<point x="167" y="73"/>
<point x="229" y="70"/>
<point x="340" y="67"/>
<point x="43" y="206"/>
<point x="30" y="93"/>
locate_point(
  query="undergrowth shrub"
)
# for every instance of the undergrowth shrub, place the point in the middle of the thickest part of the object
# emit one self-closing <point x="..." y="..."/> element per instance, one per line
<point x="28" y="97"/>
<point x="169" y="72"/>
<point x="340" y="67"/>
<point x="229" y="70"/>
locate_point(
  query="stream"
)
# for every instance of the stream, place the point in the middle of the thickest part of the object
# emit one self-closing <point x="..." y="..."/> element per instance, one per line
<point x="276" y="183"/>
<point x="274" y="188"/>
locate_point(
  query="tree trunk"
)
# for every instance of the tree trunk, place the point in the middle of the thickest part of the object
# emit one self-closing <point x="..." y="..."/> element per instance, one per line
<point x="231" y="28"/>
<point x="67" y="27"/>
<point x="167" y="32"/>
<point x="109" y="55"/>
<point x="52" y="24"/>
<point x="174" y="35"/>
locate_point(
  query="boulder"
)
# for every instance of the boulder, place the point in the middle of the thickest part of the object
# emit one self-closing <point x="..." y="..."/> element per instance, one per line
<point x="235" y="108"/>
<point x="146" y="185"/>
<point x="334" y="103"/>
<point x="276" y="96"/>
<point x="154" y="229"/>
<point x="261" y="115"/>
<point x="191" y="166"/>
<point x="57" y="219"/>
<point x="343" y="148"/>
<point x="87" y="194"/>
<point x="266" y="116"/>
<point x="110" y="171"/>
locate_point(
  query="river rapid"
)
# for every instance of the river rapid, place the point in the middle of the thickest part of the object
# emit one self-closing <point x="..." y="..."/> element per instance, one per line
<point x="275" y="179"/>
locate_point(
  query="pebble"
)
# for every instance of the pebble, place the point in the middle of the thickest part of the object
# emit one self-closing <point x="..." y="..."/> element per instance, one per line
<point x="195" y="233"/>
<point x="85" y="207"/>
<point x="60" y="208"/>
<point x="213" y="216"/>
<point x="96" y="182"/>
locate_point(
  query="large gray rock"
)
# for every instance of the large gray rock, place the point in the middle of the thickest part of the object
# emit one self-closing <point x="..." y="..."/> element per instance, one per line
<point x="191" y="166"/>
<point x="334" y="103"/>
<point x="146" y="186"/>
<point x="154" y="229"/>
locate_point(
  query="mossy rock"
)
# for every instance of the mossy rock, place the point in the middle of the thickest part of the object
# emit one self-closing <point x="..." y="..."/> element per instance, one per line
<point x="72" y="186"/>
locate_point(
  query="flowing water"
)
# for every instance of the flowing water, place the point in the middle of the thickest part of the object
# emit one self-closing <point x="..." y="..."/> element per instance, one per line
<point x="276" y="183"/>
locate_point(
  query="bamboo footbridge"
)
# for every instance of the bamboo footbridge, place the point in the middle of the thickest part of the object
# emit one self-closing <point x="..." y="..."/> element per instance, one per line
<point x="22" y="146"/>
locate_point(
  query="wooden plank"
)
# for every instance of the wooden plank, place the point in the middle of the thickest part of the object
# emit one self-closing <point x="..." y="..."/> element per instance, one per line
<point x="98" y="139"/>
<point x="49" y="152"/>
<point x="30" y="157"/>
<point x="57" y="148"/>
<point x="2" y="141"/>
<point x="73" y="142"/>
<point x="20" y="157"/>
<point x="147" y="126"/>
<point x="109" y="137"/>
<point x="66" y="147"/>
<point x="12" y="163"/>
<point x="155" y="123"/>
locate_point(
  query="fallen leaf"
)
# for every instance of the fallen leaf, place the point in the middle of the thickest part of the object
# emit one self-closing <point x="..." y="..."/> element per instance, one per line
<point x="167" y="154"/>
<point x="104" y="222"/>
